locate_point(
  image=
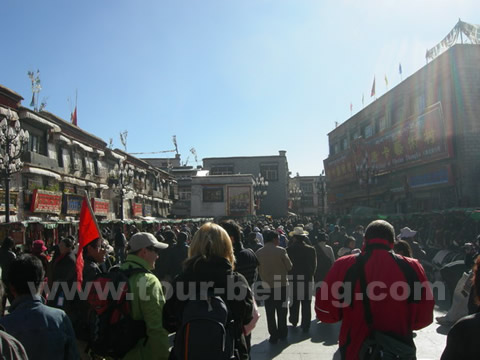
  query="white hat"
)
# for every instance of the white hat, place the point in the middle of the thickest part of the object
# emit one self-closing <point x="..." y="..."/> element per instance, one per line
<point x="298" y="231"/>
<point x="406" y="233"/>
<point x="142" y="240"/>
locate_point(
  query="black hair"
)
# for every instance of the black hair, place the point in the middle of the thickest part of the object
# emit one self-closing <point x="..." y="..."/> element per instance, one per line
<point x="69" y="242"/>
<point x="269" y="236"/>
<point x="25" y="274"/>
<point x="232" y="229"/>
<point x="401" y="247"/>
<point x="380" y="229"/>
<point x="91" y="243"/>
<point x="8" y="243"/>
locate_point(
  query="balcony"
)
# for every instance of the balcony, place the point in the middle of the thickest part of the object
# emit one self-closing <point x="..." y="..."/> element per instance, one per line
<point x="34" y="158"/>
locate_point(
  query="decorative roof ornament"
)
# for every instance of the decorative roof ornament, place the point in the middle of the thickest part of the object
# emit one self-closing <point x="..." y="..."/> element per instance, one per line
<point x="472" y="32"/>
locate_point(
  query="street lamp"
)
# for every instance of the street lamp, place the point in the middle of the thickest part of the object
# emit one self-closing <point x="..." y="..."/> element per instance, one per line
<point x="295" y="196"/>
<point x="367" y="175"/>
<point x="259" y="189"/>
<point x="13" y="142"/>
<point x="123" y="176"/>
<point x="322" y="190"/>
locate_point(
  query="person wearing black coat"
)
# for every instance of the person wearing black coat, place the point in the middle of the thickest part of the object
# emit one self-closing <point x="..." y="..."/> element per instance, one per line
<point x="63" y="275"/>
<point x="211" y="260"/>
<point x="304" y="261"/>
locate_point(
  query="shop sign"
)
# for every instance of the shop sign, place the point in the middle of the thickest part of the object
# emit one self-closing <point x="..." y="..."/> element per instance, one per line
<point x="100" y="206"/>
<point x="147" y="210"/>
<point x="13" y="201"/>
<point x="73" y="204"/>
<point x="46" y="202"/>
<point x="137" y="209"/>
<point x="439" y="176"/>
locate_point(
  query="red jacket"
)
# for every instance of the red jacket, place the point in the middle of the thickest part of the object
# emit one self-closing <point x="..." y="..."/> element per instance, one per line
<point x="391" y="311"/>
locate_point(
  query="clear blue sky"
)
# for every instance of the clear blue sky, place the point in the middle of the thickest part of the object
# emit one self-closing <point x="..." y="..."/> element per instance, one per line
<point x="227" y="77"/>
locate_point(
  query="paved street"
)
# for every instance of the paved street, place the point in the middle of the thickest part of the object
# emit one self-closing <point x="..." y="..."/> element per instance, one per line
<point x="321" y="342"/>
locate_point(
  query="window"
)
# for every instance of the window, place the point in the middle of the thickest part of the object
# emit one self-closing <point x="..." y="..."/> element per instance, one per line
<point x="269" y="172"/>
<point x="213" y="194"/>
<point x="60" y="156"/>
<point x="367" y="130"/>
<point x="306" y="187"/>
<point x="381" y="123"/>
<point x="95" y="167"/>
<point x="34" y="143"/>
<point x="221" y="170"/>
<point x="344" y="144"/>
<point x="184" y="194"/>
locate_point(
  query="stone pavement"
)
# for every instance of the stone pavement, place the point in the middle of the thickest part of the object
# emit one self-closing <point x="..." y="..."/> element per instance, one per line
<point x="321" y="341"/>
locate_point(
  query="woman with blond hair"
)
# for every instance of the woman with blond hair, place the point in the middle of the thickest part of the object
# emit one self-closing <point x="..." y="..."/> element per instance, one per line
<point x="209" y="266"/>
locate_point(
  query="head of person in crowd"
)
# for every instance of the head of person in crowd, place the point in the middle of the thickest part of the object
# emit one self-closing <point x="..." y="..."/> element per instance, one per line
<point x="25" y="275"/>
<point x="270" y="236"/>
<point x="252" y="238"/>
<point x="298" y="234"/>
<point x="379" y="229"/>
<point x="349" y="242"/>
<point x="170" y="237"/>
<point x="145" y="246"/>
<point x="359" y="229"/>
<point x="211" y="240"/>
<point x="95" y="250"/>
<point x="38" y="247"/>
<point x="66" y="245"/>
<point x="401" y="247"/>
<point x="407" y="234"/>
<point x="235" y="232"/>
<point x="8" y="243"/>
<point x="182" y="238"/>
<point x="322" y="237"/>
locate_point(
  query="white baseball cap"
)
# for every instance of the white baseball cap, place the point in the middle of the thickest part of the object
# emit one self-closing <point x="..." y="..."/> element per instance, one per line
<point x="142" y="240"/>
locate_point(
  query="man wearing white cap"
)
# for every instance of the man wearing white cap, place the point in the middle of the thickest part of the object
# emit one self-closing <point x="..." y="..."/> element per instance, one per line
<point x="408" y="235"/>
<point x="148" y="299"/>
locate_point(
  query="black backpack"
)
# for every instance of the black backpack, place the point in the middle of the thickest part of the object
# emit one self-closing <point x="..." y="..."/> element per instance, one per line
<point x="206" y="330"/>
<point x="112" y="331"/>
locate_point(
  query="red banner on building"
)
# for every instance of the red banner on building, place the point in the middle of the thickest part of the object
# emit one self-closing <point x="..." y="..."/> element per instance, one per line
<point x="46" y="202"/>
<point x="137" y="209"/>
<point x="100" y="206"/>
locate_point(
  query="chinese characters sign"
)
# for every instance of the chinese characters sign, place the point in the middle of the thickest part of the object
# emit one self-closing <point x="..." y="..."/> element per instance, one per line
<point x="46" y="202"/>
<point x="100" y="206"/>
<point x="420" y="140"/>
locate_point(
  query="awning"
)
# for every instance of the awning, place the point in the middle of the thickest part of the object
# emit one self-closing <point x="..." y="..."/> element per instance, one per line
<point x="28" y="115"/>
<point x="74" y="181"/>
<point x="99" y="152"/>
<point x="38" y="171"/>
<point x="66" y="140"/>
<point x="103" y="186"/>
<point x="91" y="184"/>
<point x="84" y="147"/>
<point x="12" y="115"/>
<point x="117" y="156"/>
<point x="49" y="225"/>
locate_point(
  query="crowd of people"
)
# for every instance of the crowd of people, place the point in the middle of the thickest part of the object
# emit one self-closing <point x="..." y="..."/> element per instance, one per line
<point x="280" y="264"/>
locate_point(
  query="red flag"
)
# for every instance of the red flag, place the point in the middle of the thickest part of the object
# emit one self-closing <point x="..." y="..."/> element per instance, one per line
<point x="87" y="232"/>
<point x="73" y="117"/>
<point x="373" y="88"/>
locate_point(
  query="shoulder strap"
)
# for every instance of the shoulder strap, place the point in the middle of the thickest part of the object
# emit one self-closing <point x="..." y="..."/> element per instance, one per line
<point x="410" y="275"/>
<point x="363" y="287"/>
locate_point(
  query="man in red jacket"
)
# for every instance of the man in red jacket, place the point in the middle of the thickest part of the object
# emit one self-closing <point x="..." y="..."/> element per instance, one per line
<point x="393" y="311"/>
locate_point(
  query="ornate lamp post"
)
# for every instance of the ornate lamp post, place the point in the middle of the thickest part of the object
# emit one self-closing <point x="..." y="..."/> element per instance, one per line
<point x="295" y="196"/>
<point x="259" y="190"/>
<point x="13" y="142"/>
<point x="367" y="175"/>
<point x="322" y="190"/>
<point x="123" y="176"/>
